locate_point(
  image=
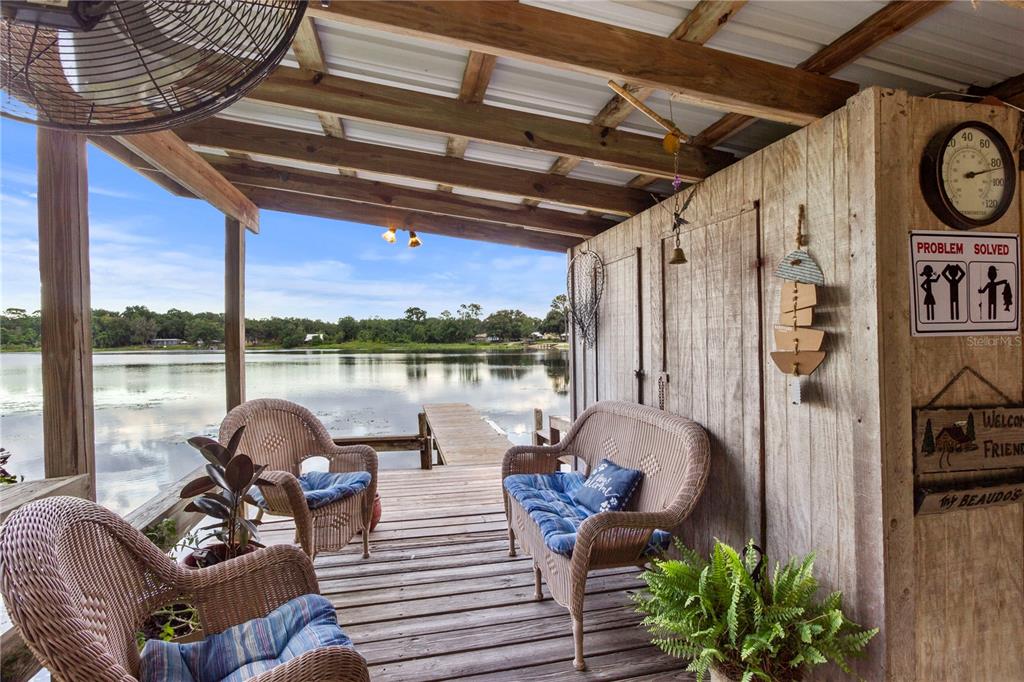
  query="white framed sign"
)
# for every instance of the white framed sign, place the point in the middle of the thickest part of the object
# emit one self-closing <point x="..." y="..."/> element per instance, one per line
<point x="964" y="283"/>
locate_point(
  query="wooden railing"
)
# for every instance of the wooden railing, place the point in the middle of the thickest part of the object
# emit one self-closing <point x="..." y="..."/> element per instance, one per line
<point x="557" y="426"/>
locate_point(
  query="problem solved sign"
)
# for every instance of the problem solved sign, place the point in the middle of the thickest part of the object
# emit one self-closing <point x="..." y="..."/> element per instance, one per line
<point x="964" y="283"/>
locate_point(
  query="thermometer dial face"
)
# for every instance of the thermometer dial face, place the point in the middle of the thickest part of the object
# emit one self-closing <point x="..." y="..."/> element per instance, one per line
<point x="968" y="175"/>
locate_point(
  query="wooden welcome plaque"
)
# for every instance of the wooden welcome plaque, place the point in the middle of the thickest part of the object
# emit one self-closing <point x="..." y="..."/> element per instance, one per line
<point x="942" y="501"/>
<point x="968" y="439"/>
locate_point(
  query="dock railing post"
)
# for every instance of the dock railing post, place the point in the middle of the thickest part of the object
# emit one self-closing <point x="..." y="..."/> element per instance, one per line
<point x="426" y="444"/>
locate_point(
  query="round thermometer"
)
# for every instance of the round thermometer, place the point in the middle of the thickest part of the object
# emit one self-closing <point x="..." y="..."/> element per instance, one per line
<point x="968" y="175"/>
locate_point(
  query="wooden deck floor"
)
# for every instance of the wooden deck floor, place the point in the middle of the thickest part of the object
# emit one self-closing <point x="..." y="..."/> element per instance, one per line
<point x="440" y="598"/>
<point x="463" y="437"/>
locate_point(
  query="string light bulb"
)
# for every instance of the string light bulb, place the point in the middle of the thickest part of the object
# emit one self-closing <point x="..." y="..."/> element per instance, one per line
<point x="389" y="236"/>
<point x="414" y="241"/>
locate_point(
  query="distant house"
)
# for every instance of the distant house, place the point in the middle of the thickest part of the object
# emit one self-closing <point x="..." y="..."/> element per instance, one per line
<point x="480" y="338"/>
<point x="311" y="337"/>
<point x="536" y="335"/>
<point x="163" y="343"/>
<point x="951" y="439"/>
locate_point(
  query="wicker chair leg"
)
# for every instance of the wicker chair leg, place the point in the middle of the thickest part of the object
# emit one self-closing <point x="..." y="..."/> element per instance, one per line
<point x="538" y="593"/>
<point x="366" y="541"/>
<point x="511" y="540"/>
<point x="577" y="637"/>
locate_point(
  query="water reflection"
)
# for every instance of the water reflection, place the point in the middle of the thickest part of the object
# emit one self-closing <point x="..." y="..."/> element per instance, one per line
<point x="148" y="404"/>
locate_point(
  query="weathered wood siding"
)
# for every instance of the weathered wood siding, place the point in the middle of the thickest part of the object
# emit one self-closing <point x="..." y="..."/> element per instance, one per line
<point x="833" y="475"/>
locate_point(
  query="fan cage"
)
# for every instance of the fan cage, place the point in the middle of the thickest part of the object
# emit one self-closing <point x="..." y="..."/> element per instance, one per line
<point x="146" y="66"/>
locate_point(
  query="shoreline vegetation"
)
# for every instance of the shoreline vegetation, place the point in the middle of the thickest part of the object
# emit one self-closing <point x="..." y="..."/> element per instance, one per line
<point x="138" y="328"/>
<point x="347" y="346"/>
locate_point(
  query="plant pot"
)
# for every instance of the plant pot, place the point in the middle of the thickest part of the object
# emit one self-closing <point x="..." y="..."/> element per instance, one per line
<point x="211" y="555"/>
<point x="375" y="519"/>
<point x="719" y="676"/>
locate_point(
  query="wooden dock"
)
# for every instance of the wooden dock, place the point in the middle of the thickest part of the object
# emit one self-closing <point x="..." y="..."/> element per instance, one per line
<point x="462" y="436"/>
<point x="440" y="599"/>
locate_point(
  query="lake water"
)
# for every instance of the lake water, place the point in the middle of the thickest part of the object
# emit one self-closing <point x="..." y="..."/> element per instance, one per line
<point x="148" y="403"/>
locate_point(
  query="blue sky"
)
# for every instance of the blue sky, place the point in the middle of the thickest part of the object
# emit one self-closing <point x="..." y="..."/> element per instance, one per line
<point x="149" y="247"/>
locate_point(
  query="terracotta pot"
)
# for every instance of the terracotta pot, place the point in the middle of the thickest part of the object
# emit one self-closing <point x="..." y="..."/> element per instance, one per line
<point x="216" y="554"/>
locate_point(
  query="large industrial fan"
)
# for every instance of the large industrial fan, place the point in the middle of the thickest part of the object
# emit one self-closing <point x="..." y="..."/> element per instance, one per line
<point x="130" y="66"/>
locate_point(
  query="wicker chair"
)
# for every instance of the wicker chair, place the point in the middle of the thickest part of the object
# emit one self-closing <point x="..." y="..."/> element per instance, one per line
<point x="281" y="435"/>
<point x="673" y="453"/>
<point x="79" y="581"/>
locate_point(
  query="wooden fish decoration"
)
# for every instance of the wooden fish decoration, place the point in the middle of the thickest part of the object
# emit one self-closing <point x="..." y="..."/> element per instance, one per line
<point x="798" y="266"/>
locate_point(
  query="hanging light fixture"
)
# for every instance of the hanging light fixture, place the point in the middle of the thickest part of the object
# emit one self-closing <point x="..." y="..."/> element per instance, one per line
<point x="414" y="241"/>
<point x="389" y="236"/>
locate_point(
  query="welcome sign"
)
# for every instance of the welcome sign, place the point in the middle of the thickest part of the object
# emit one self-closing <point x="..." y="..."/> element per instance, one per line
<point x="968" y="439"/>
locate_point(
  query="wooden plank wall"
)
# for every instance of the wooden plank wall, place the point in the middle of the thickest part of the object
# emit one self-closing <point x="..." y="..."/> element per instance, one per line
<point x="838" y="477"/>
<point x="966" y="575"/>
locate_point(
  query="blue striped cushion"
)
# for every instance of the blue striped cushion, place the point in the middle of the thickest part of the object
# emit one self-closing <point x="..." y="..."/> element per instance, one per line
<point x="548" y="499"/>
<point x="323" y="487"/>
<point x="246" y="650"/>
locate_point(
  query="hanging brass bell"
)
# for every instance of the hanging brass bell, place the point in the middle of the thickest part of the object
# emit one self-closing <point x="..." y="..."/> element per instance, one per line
<point x="678" y="257"/>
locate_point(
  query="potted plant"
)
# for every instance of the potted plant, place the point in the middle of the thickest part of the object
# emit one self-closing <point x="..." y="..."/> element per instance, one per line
<point x="222" y="494"/>
<point x="727" y="615"/>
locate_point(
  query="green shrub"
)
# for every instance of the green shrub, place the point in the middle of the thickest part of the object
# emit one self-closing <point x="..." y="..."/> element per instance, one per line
<point x="727" y="613"/>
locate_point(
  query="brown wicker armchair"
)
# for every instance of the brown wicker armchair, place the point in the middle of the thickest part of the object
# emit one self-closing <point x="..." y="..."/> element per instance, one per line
<point x="281" y="435"/>
<point x="79" y="581"/>
<point x="673" y="453"/>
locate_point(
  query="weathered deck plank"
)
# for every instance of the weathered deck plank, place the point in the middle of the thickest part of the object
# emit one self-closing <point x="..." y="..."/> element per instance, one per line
<point x="439" y="598"/>
<point x="462" y="436"/>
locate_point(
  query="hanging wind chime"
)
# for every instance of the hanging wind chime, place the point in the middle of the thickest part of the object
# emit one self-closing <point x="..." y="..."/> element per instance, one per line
<point x="799" y="345"/>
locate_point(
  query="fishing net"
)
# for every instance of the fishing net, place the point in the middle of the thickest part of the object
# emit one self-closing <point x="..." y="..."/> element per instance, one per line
<point x="585" y="284"/>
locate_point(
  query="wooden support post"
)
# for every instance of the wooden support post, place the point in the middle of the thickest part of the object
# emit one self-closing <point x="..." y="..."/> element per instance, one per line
<point x="234" y="311"/>
<point x="426" y="444"/>
<point x="68" y="435"/>
<point x="538" y="427"/>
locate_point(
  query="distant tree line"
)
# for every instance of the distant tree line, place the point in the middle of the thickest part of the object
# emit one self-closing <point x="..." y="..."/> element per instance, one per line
<point x="137" y="326"/>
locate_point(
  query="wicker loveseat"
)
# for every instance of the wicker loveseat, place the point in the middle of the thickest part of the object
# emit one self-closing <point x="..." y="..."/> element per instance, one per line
<point x="79" y="581"/>
<point x="281" y="435"/>
<point x="673" y="453"/>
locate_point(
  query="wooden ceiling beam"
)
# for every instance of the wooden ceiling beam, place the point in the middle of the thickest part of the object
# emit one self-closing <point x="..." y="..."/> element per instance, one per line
<point x="310" y="55"/>
<point x="169" y="154"/>
<point x="1010" y="90"/>
<point x="271" y="176"/>
<point x="132" y="160"/>
<point x="699" y="26"/>
<point x="476" y="77"/>
<point x="891" y="20"/>
<point x="366" y="101"/>
<point x="428" y="223"/>
<point x="698" y="74"/>
<point x="285" y="144"/>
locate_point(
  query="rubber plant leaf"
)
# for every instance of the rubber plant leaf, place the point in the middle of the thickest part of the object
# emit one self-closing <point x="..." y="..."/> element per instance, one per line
<point x="198" y="487"/>
<point x="209" y="507"/>
<point x="239" y="472"/>
<point x="236" y="438"/>
<point x="217" y="475"/>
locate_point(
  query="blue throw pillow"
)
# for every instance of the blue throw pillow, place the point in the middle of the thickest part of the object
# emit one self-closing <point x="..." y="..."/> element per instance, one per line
<point x="608" y="488"/>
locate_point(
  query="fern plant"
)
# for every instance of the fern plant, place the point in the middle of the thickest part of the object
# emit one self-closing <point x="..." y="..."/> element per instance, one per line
<point x="727" y="613"/>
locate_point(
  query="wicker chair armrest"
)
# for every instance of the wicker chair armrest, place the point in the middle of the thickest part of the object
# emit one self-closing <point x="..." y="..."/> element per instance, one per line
<point x="531" y="459"/>
<point x="346" y="458"/>
<point x="247" y="587"/>
<point x="595" y="530"/>
<point x="329" y="663"/>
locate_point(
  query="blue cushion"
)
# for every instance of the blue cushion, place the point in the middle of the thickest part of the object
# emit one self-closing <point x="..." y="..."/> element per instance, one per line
<point x="323" y="487"/>
<point x="244" y="651"/>
<point x="608" y="488"/>
<point x="548" y="499"/>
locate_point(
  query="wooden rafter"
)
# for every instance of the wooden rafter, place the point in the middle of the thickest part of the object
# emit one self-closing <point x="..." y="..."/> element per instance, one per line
<point x="310" y="55"/>
<point x="132" y="160"/>
<point x="362" y="100"/>
<point x="285" y="144"/>
<point x="383" y="216"/>
<point x="475" y="79"/>
<point x="1010" y="90"/>
<point x="167" y="153"/>
<point x="702" y="75"/>
<point x="271" y="176"/>
<point x="891" y="20"/>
